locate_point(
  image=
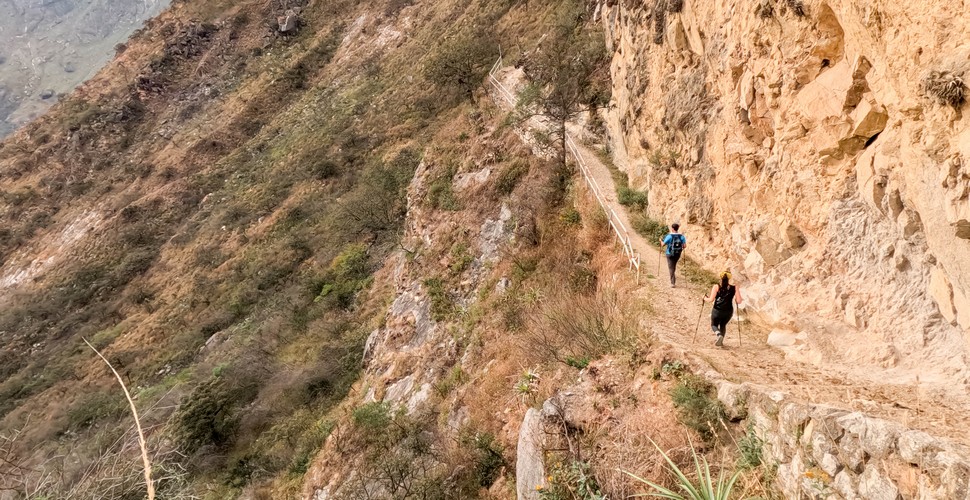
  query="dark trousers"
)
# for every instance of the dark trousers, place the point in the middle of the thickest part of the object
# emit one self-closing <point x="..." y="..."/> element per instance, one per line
<point x="672" y="266"/>
<point x="720" y="320"/>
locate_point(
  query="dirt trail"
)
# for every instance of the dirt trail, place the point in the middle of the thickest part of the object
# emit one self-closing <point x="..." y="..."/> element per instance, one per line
<point x="754" y="361"/>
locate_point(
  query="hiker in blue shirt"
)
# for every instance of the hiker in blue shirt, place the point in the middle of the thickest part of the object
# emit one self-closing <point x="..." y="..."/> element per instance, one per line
<point x="675" y="244"/>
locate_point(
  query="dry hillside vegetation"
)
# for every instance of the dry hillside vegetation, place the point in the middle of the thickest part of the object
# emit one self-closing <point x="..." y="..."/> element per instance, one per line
<point x="209" y="211"/>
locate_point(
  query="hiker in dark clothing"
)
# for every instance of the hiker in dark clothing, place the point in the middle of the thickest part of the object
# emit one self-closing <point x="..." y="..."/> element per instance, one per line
<point x="722" y="294"/>
<point x="675" y="244"/>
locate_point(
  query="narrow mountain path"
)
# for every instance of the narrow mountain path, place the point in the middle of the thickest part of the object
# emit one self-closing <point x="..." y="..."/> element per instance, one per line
<point x="751" y="359"/>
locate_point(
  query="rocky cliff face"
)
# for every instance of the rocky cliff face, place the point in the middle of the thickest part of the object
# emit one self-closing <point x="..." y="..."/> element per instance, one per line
<point x="48" y="47"/>
<point x="820" y="151"/>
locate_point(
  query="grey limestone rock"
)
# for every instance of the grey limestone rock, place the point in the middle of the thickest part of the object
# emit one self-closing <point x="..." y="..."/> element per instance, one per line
<point x="873" y="485"/>
<point x="878" y="437"/>
<point x="288" y="21"/>
<point x="530" y="471"/>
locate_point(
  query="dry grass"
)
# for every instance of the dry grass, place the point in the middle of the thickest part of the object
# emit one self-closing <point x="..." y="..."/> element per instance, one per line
<point x="624" y="443"/>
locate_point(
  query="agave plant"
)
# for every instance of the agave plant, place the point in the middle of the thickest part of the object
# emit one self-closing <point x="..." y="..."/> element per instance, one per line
<point x="704" y="487"/>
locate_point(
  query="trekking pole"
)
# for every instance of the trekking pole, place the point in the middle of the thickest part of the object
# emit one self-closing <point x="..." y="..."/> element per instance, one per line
<point x="738" y="309"/>
<point x="698" y="325"/>
<point x="659" y="258"/>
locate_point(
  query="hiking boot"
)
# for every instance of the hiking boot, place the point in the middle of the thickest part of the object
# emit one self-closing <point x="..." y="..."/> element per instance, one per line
<point x="720" y="341"/>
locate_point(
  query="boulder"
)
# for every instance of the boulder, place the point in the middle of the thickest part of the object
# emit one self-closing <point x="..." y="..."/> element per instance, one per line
<point x="845" y="485"/>
<point x="920" y="449"/>
<point x="961" y="305"/>
<point x="370" y="345"/>
<point x="853" y="456"/>
<point x="826" y="96"/>
<point x="782" y="338"/>
<point x="288" y="21"/>
<point x="878" y="437"/>
<point x="734" y="397"/>
<point x="942" y="293"/>
<point x="399" y="390"/>
<point x="957" y="480"/>
<point x="873" y="485"/>
<point x="854" y="313"/>
<point x="962" y="229"/>
<point x="770" y="251"/>
<point x="791" y="236"/>
<point x="868" y="119"/>
<point x="909" y="223"/>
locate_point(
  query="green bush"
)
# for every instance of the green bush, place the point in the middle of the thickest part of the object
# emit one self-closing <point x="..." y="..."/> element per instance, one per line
<point x="486" y="457"/>
<point x="209" y="415"/>
<point x="697" y="405"/>
<point x="373" y="417"/>
<point x="579" y="363"/>
<point x="377" y="204"/>
<point x="570" y="216"/>
<point x="749" y="450"/>
<point x="348" y="274"/>
<point x="650" y="229"/>
<point x="630" y="197"/>
<point x="441" y="195"/>
<point x="571" y="481"/>
<point x="696" y="274"/>
<point x="461" y="258"/>
<point x="442" y="306"/>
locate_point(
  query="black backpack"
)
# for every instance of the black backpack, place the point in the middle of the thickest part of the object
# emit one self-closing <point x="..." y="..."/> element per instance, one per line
<point x="722" y="301"/>
<point x="676" y="246"/>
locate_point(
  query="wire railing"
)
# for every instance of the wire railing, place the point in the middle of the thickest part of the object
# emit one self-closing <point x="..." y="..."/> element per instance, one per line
<point x="619" y="229"/>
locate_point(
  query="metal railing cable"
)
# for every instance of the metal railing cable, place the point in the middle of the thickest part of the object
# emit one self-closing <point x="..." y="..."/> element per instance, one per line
<point x="619" y="229"/>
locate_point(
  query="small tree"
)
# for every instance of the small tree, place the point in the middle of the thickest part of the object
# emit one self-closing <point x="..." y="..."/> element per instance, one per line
<point x="462" y="61"/>
<point x="570" y="73"/>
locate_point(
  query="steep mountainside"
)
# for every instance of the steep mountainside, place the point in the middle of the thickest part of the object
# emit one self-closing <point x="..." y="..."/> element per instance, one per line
<point x="819" y="149"/>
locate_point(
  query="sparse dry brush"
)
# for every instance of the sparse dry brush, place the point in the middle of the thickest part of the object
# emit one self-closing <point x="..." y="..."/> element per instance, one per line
<point x="570" y="328"/>
<point x="946" y="88"/>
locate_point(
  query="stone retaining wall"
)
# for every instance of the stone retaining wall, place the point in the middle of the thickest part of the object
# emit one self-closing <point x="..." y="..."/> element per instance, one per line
<point x="825" y="452"/>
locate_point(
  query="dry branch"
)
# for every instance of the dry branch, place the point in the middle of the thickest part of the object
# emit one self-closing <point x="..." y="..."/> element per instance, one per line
<point x="134" y="412"/>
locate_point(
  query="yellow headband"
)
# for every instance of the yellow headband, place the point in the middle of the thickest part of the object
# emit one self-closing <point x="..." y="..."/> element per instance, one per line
<point x="726" y="274"/>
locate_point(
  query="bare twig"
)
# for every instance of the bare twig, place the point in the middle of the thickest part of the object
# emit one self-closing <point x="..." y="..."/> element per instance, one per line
<point x="134" y="412"/>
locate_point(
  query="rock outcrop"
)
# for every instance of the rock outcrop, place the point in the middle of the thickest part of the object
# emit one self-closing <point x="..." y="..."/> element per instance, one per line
<point x="821" y="156"/>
